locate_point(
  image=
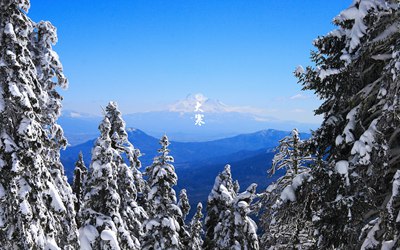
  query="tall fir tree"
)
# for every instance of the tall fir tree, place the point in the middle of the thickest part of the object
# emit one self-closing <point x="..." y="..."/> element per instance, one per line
<point x="245" y="229"/>
<point x="184" y="206"/>
<point x="129" y="179"/>
<point x="103" y="226"/>
<point x="235" y="229"/>
<point x="196" y="230"/>
<point x="219" y="206"/>
<point x="162" y="229"/>
<point x="281" y="230"/>
<point x="78" y="183"/>
<point x="36" y="202"/>
<point x="357" y="76"/>
<point x="120" y="142"/>
<point x="183" y="203"/>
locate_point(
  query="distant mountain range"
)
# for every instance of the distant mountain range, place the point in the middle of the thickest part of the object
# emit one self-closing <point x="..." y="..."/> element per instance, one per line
<point x="198" y="163"/>
<point x="178" y="121"/>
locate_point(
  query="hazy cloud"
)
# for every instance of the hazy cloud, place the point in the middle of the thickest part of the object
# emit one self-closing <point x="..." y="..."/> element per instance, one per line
<point x="299" y="97"/>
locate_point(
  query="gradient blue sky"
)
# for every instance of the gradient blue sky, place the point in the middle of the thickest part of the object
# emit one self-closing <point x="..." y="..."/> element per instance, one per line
<point x="146" y="54"/>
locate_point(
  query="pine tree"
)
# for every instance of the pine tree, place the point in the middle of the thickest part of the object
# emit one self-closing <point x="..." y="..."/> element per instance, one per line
<point x="357" y="76"/>
<point x="121" y="143"/>
<point x="219" y="206"/>
<point x="291" y="155"/>
<point x="282" y="229"/>
<point x="36" y="202"/>
<point x="184" y="206"/>
<point x="102" y="224"/>
<point x="245" y="229"/>
<point x="183" y="203"/>
<point x="235" y="229"/>
<point x="129" y="179"/>
<point x="196" y="230"/>
<point x="80" y="174"/>
<point x="162" y="228"/>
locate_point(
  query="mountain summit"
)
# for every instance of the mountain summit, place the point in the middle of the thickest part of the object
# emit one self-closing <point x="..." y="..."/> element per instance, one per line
<point x="205" y="104"/>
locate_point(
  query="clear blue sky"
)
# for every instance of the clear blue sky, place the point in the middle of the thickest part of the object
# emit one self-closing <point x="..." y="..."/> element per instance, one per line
<point x="146" y="54"/>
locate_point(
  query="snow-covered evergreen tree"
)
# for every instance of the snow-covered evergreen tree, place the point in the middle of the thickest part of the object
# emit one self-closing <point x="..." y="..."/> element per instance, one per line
<point x="129" y="179"/>
<point x="219" y="206"/>
<point x="228" y="223"/>
<point x="196" y="230"/>
<point x="184" y="206"/>
<point x="162" y="229"/>
<point x="282" y="230"/>
<point x="36" y="202"/>
<point x="245" y="229"/>
<point x="131" y="213"/>
<point x="103" y="226"/>
<point x="80" y="173"/>
<point x="120" y="142"/>
<point x="357" y="76"/>
<point x="291" y="155"/>
<point x="183" y="203"/>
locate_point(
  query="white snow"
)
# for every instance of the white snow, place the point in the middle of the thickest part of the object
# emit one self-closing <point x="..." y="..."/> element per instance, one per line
<point x="152" y="192"/>
<point x="12" y="87"/>
<point x="395" y="193"/>
<point x="288" y="194"/>
<point x="271" y="188"/>
<point x="342" y="167"/>
<point x="299" y="70"/>
<point x="323" y="73"/>
<point x="364" y="145"/>
<point x="87" y="235"/>
<point x="396" y="184"/>
<point x="174" y="240"/>
<point x="2" y="104"/>
<point x="2" y="217"/>
<point x="152" y="223"/>
<point x="351" y="117"/>
<point x="370" y="242"/>
<point x="388" y="245"/>
<point x="25" y="208"/>
<point x="168" y="222"/>
<point x="51" y="244"/>
<point x="9" y="29"/>
<point x="238" y="219"/>
<point x="56" y="201"/>
<point x="299" y="179"/>
<point x="2" y="192"/>
<point x="109" y="235"/>
<point x="339" y="140"/>
<point x="26" y="129"/>
<point x="315" y="218"/>
<point x="357" y="12"/>
<point x="338" y="197"/>
<point x="382" y="92"/>
<point x="15" y="163"/>
<point x="24" y="188"/>
<point x="225" y="194"/>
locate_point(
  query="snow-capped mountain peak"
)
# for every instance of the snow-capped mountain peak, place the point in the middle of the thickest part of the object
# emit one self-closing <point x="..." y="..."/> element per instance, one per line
<point x="194" y="103"/>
